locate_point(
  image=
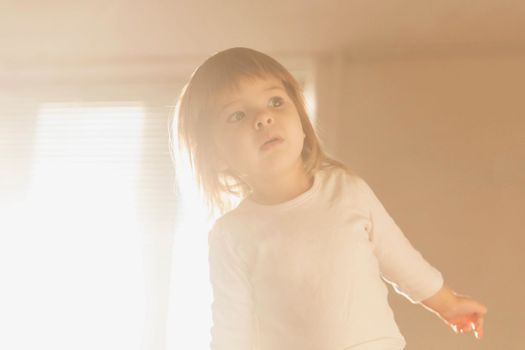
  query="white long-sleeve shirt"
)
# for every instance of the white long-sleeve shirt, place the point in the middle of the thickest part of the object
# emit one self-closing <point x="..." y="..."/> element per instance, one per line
<point x="308" y="274"/>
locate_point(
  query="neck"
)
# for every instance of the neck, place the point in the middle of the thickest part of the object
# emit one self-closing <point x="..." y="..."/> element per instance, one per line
<point x="281" y="187"/>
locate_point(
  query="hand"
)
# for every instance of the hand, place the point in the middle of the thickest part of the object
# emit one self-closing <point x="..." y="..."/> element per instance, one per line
<point x="460" y="312"/>
<point x="464" y="315"/>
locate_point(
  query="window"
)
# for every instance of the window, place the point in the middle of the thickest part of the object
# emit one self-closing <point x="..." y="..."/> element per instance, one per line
<point x="76" y="276"/>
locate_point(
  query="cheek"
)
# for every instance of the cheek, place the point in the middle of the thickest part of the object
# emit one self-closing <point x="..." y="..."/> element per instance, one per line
<point x="222" y="146"/>
<point x="234" y="146"/>
<point x="296" y="128"/>
<point x="299" y="137"/>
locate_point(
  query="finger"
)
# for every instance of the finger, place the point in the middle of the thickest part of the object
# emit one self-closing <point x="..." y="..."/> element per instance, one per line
<point x="454" y="327"/>
<point x="479" y="327"/>
<point x="475" y="329"/>
<point x="465" y="327"/>
<point x="461" y="327"/>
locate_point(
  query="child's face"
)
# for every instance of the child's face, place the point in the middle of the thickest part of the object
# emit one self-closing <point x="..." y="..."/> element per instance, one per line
<point x="247" y="118"/>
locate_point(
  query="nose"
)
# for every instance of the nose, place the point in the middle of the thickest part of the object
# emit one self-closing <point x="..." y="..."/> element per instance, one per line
<point x="263" y="119"/>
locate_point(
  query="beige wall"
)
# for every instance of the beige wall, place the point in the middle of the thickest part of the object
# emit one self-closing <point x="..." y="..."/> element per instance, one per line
<point x="441" y="143"/>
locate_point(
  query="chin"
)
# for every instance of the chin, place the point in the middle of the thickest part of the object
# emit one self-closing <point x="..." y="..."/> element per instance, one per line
<point x="281" y="165"/>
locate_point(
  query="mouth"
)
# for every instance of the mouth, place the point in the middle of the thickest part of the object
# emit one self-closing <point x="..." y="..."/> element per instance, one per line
<point x="271" y="142"/>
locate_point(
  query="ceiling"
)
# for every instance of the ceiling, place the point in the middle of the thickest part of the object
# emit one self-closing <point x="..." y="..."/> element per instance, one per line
<point x="127" y="30"/>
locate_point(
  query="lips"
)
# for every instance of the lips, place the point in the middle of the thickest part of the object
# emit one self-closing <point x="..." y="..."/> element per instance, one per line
<point x="270" y="141"/>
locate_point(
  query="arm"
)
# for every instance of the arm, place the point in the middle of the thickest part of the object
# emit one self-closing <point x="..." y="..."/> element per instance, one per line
<point x="232" y="298"/>
<point x="399" y="262"/>
<point x="460" y="312"/>
<point x="412" y="276"/>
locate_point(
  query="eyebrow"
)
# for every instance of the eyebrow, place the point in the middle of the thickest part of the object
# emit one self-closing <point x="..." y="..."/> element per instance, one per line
<point x="275" y="87"/>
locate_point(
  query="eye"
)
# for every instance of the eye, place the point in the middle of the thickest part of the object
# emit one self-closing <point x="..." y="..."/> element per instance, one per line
<point x="276" y="101"/>
<point x="236" y="116"/>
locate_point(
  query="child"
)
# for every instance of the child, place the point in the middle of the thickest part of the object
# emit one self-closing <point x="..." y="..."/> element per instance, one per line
<point x="298" y="263"/>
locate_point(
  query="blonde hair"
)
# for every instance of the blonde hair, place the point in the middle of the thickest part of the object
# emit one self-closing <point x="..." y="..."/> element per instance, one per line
<point x="223" y="72"/>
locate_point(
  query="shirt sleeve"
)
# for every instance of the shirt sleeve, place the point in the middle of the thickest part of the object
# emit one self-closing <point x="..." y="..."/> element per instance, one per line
<point x="400" y="263"/>
<point x="232" y="296"/>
